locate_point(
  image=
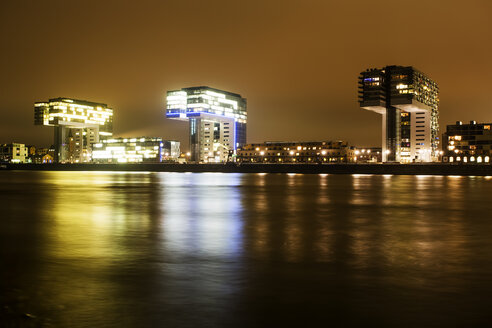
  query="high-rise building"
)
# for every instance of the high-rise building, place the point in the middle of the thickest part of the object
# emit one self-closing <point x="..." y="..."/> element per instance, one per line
<point x="217" y="121"/>
<point x="77" y="125"/>
<point x="468" y="143"/>
<point x="408" y="101"/>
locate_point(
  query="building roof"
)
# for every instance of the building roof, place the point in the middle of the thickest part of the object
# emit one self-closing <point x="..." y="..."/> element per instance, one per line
<point x="213" y="89"/>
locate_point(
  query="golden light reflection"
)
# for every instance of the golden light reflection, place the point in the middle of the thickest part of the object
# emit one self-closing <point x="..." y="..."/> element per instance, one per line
<point x="292" y="231"/>
<point x="88" y="208"/>
<point x="324" y="235"/>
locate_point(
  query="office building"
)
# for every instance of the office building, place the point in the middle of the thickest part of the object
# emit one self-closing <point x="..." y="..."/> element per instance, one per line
<point x="296" y="152"/>
<point x="135" y="150"/>
<point x="467" y="143"/>
<point x="408" y="102"/>
<point x="13" y="153"/>
<point x="171" y="150"/>
<point x="217" y="121"/>
<point x="77" y="125"/>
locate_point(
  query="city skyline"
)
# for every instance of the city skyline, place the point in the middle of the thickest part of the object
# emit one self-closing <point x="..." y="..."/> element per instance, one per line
<point x="293" y="59"/>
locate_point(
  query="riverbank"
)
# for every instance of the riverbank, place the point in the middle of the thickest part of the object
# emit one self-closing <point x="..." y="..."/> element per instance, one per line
<point x="396" y="169"/>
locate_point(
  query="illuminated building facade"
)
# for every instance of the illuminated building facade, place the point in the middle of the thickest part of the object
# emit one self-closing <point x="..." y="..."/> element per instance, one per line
<point x="171" y="150"/>
<point x="408" y="102"/>
<point x="368" y="155"/>
<point x="77" y="125"/>
<point x="468" y="143"/>
<point x="296" y="152"/>
<point x="134" y="150"/>
<point x="13" y="153"/>
<point x="217" y="121"/>
<point x="42" y="159"/>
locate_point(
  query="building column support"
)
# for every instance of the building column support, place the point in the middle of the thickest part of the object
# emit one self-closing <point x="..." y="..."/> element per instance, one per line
<point x="195" y="128"/>
<point x="391" y="135"/>
<point x="60" y="143"/>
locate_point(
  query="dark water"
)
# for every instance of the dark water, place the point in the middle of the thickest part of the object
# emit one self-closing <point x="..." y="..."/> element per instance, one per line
<point x="96" y="249"/>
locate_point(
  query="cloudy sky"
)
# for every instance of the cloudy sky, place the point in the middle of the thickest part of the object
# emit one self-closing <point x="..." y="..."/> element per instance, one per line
<point x="296" y="62"/>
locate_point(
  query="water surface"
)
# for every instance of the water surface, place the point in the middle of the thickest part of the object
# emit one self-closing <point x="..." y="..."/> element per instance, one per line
<point x="122" y="249"/>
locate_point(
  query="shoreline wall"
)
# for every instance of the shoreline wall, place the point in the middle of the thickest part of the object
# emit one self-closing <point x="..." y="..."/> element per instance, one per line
<point x="396" y="169"/>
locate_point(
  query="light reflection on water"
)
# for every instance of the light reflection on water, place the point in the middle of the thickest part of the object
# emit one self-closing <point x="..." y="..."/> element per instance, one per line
<point x="140" y="249"/>
<point x="202" y="215"/>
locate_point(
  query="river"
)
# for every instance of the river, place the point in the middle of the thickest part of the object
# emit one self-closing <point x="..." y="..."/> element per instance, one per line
<point x="141" y="249"/>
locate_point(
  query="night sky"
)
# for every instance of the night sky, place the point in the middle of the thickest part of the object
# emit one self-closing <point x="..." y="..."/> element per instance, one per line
<point x="296" y="62"/>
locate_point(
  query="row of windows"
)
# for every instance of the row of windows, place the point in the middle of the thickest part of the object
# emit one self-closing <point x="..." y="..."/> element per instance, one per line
<point x="294" y="147"/>
<point x="296" y="159"/>
<point x="288" y="154"/>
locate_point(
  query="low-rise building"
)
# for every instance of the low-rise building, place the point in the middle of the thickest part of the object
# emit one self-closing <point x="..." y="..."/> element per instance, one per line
<point x="296" y="152"/>
<point x="40" y="155"/>
<point x="13" y="153"/>
<point x="42" y="159"/>
<point x="133" y="150"/>
<point x="467" y="143"/>
<point x="368" y="154"/>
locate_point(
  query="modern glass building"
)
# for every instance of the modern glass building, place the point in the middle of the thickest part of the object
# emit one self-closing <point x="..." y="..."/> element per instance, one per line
<point x="408" y="101"/>
<point x="217" y="121"/>
<point x="468" y="143"/>
<point x="135" y="150"/>
<point x="77" y="125"/>
<point x="171" y="150"/>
